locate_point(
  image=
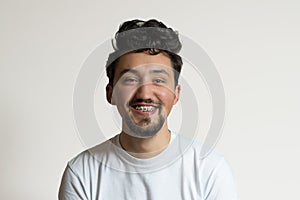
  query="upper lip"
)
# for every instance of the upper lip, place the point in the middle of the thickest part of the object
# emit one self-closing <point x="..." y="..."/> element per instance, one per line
<point x="143" y="104"/>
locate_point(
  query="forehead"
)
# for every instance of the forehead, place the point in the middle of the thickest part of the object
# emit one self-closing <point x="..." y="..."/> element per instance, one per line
<point x="134" y="60"/>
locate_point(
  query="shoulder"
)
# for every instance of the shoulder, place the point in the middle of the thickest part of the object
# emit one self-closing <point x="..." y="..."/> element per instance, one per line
<point x="208" y="159"/>
<point x="200" y="152"/>
<point x="217" y="177"/>
<point x="79" y="176"/>
<point x="214" y="172"/>
<point x="92" y="157"/>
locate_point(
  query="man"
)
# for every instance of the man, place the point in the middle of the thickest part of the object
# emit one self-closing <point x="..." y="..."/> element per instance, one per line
<point x="146" y="160"/>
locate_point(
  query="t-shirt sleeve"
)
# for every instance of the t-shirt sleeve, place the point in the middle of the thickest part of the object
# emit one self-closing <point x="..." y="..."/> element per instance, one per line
<point x="71" y="187"/>
<point x="221" y="184"/>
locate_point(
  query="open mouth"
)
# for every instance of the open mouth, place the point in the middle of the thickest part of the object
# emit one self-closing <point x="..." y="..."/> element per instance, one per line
<point x="144" y="109"/>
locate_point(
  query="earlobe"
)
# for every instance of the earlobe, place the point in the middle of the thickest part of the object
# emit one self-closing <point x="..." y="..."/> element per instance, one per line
<point x="109" y="92"/>
<point x="177" y="94"/>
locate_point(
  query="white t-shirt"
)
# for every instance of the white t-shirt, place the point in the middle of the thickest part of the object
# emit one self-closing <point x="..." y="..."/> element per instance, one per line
<point x="108" y="172"/>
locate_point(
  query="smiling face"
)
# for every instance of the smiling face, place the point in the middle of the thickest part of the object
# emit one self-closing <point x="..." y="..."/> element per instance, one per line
<point x="144" y="92"/>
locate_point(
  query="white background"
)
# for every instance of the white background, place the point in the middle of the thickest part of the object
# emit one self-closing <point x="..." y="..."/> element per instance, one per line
<point x="254" y="44"/>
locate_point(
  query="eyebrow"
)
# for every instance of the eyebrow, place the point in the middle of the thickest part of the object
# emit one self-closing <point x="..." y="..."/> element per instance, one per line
<point x="136" y="72"/>
<point x="160" y="71"/>
<point x="124" y="71"/>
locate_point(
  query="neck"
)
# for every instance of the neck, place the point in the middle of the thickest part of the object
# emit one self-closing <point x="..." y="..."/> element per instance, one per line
<point x="146" y="147"/>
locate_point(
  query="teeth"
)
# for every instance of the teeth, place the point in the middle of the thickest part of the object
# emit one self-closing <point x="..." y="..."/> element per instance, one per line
<point x="145" y="108"/>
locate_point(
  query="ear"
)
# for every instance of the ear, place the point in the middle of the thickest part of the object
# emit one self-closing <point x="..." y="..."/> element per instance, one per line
<point x="109" y="93"/>
<point x="177" y="94"/>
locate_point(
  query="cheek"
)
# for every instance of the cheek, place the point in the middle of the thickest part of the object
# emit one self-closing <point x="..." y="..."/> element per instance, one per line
<point x="166" y="96"/>
<point x="122" y="95"/>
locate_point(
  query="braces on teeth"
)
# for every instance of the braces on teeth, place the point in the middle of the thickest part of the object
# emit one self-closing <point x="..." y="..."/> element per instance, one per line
<point x="145" y="108"/>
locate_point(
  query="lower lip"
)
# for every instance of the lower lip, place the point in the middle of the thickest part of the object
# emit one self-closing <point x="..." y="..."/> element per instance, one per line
<point x="143" y="113"/>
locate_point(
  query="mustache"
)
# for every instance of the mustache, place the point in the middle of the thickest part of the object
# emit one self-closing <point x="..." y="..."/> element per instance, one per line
<point x="150" y="101"/>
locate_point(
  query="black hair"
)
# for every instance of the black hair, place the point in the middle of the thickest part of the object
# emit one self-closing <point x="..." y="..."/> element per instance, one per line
<point x="152" y="37"/>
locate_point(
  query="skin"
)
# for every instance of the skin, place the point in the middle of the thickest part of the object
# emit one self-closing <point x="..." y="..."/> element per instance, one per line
<point x="148" y="81"/>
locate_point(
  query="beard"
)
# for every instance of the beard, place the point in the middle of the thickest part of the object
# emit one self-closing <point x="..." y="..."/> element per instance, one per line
<point x="147" y="129"/>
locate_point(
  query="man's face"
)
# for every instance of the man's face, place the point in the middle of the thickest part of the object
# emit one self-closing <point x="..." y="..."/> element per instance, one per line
<point x="144" y="92"/>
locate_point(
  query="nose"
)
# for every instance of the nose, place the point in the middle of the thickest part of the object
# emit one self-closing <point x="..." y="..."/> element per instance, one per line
<point x="144" y="91"/>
